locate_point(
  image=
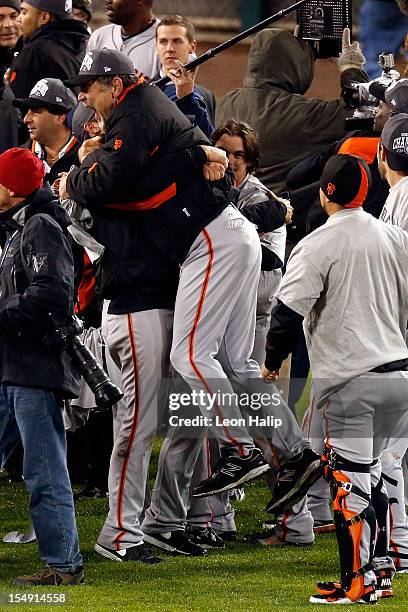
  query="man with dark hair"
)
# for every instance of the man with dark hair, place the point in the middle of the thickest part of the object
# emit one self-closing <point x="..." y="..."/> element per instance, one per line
<point x="176" y="45"/>
<point x="82" y="10"/>
<point x="132" y="31"/>
<point x="10" y="32"/>
<point x="37" y="294"/>
<point x="54" y="44"/>
<point x="152" y="164"/>
<point x="45" y="115"/>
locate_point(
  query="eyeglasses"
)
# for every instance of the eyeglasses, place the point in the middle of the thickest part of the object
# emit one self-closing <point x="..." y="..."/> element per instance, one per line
<point x="85" y="87"/>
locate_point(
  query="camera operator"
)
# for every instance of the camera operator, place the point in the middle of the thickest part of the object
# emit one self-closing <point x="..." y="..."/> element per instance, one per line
<point x="291" y="127"/>
<point x="37" y="280"/>
<point x="308" y="213"/>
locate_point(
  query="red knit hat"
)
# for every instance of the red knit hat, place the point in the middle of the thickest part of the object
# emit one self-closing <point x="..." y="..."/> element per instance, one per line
<point x="21" y="171"/>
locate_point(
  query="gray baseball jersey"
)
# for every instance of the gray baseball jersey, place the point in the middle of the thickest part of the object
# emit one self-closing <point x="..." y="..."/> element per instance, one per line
<point x="348" y="279"/>
<point x="141" y="48"/>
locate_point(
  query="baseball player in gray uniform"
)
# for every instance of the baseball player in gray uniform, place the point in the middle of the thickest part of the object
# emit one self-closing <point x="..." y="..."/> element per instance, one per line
<point x="393" y="167"/>
<point x="347" y="283"/>
<point x="191" y="223"/>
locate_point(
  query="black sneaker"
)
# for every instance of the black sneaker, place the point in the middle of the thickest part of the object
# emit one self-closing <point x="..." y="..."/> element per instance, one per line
<point x="294" y="480"/>
<point x="237" y="494"/>
<point x="133" y="553"/>
<point x="50" y="576"/>
<point x="227" y="536"/>
<point x="333" y="593"/>
<point x="324" y="526"/>
<point x="231" y="472"/>
<point x="91" y="492"/>
<point x="176" y="542"/>
<point x="383" y="585"/>
<point x="271" y="537"/>
<point x="205" y="537"/>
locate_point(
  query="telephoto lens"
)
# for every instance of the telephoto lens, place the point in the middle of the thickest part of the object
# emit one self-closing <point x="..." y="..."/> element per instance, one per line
<point x="106" y="393"/>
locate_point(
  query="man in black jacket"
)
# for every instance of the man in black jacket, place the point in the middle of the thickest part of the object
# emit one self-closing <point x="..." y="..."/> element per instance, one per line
<point x="44" y="114"/>
<point x="54" y="44"/>
<point x="37" y="293"/>
<point x="10" y="32"/>
<point x="152" y="164"/>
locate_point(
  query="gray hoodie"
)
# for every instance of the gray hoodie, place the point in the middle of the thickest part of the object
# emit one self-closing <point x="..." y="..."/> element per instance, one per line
<point x="290" y="126"/>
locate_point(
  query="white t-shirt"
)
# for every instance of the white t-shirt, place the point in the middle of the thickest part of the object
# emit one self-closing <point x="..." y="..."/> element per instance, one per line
<point x="395" y="209"/>
<point x="253" y="191"/>
<point x="349" y="280"/>
<point x="141" y="48"/>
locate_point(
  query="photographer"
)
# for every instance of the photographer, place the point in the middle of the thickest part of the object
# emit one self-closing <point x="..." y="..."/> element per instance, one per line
<point x="37" y="280"/>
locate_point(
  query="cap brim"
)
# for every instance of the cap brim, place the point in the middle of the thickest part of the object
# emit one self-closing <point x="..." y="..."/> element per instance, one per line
<point x="80" y="79"/>
<point x="25" y="103"/>
<point x="378" y="91"/>
<point x="398" y="163"/>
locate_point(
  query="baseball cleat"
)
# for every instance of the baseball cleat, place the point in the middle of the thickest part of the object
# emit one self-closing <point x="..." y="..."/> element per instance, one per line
<point x="271" y="538"/>
<point x="237" y="494"/>
<point x="383" y="585"/>
<point x="176" y="542"/>
<point x="324" y="526"/>
<point x="227" y="536"/>
<point x="205" y="537"/>
<point x="295" y="478"/>
<point x="232" y="472"/>
<point x="133" y="553"/>
<point x="332" y="593"/>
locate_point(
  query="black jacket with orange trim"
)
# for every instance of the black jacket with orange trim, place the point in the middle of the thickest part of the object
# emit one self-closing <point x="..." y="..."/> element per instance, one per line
<point x="151" y="164"/>
<point x="303" y="180"/>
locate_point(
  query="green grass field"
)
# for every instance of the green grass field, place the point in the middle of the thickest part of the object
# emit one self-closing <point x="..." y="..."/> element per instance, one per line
<point x="240" y="577"/>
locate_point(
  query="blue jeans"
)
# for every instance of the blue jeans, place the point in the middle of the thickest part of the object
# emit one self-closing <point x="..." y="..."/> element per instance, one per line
<point x="39" y="419"/>
<point x="382" y="28"/>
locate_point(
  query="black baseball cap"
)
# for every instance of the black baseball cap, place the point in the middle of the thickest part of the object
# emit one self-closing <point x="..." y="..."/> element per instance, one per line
<point x="395" y="95"/>
<point x="346" y="180"/>
<point x="60" y="8"/>
<point x="15" y="4"/>
<point x="48" y="92"/>
<point x="394" y="138"/>
<point x="102" y="62"/>
<point x="83" y="114"/>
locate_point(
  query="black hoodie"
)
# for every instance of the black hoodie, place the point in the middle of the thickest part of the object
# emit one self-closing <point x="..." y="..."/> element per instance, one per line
<point x="55" y="50"/>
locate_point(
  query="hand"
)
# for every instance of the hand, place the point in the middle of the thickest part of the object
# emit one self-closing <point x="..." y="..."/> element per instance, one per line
<point x="351" y="55"/>
<point x="7" y="77"/>
<point x="183" y="79"/>
<point x="214" y="154"/>
<point x="289" y="207"/>
<point x="213" y="171"/>
<point x="268" y="375"/>
<point x="62" y="190"/>
<point x="289" y="212"/>
<point x="88" y="146"/>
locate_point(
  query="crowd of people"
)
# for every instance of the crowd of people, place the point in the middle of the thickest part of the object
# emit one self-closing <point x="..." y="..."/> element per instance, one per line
<point x="201" y="245"/>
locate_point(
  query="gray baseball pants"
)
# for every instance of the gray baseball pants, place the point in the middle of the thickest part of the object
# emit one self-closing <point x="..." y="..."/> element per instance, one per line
<point x="359" y="419"/>
<point x="139" y="343"/>
<point x="213" y="336"/>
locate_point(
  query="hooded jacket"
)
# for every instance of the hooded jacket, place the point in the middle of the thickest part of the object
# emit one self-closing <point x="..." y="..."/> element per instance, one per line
<point x="54" y="50"/>
<point x="33" y="292"/>
<point x="291" y="127"/>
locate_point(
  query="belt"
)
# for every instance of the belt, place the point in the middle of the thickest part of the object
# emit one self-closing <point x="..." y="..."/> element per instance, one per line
<point x="392" y="366"/>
